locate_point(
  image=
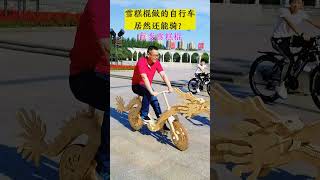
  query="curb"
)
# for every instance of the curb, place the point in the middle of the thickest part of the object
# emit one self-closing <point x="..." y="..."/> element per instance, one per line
<point x="174" y="84"/>
<point x="31" y="45"/>
<point x="35" y="50"/>
<point x="229" y="72"/>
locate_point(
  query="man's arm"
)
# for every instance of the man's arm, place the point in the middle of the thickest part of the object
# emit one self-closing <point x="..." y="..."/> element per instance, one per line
<point x="105" y="46"/>
<point x="166" y="80"/>
<point x="317" y="25"/>
<point x="293" y="27"/>
<point x="201" y="68"/>
<point x="99" y="15"/>
<point x="147" y="84"/>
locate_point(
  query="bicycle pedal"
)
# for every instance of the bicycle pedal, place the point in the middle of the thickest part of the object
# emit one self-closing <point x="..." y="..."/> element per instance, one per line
<point x="165" y="132"/>
<point x="148" y="121"/>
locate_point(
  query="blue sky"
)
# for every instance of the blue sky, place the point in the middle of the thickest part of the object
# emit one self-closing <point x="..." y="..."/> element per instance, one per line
<point x="201" y="34"/>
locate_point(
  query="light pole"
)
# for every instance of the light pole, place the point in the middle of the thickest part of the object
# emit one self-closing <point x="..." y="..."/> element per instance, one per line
<point x="19" y="6"/>
<point x="5" y="6"/>
<point x="38" y="5"/>
<point x="24" y="6"/>
<point x="117" y="41"/>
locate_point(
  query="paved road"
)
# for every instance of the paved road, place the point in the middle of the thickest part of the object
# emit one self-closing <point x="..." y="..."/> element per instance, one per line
<point x="37" y="82"/>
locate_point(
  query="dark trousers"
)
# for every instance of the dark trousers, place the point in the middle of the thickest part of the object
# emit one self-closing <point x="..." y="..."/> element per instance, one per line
<point x="146" y="101"/>
<point x="200" y="75"/>
<point x="282" y="45"/>
<point x="93" y="89"/>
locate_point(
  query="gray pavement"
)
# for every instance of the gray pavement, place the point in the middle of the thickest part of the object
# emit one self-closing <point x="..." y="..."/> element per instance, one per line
<point x="38" y="82"/>
<point x="62" y="37"/>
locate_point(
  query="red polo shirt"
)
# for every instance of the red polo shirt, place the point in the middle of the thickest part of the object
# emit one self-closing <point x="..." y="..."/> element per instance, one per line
<point x="142" y="67"/>
<point x="86" y="54"/>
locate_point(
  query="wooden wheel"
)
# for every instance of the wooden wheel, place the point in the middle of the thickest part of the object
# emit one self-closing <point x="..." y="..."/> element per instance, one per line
<point x="135" y="122"/>
<point x="70" y="162"/>
<point x="181" y="143"/>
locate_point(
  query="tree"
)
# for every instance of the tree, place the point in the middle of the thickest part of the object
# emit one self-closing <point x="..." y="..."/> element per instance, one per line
<point x="205" y="56"/>
<point x="195" y="58"/>
<point x="167" y="57"/>
<point x="176" y="57"/>
<point x="185" y="58"/>
<point x="135" y="56"/>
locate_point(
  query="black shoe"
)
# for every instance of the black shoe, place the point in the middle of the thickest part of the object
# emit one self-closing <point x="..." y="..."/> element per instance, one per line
<point x="146" y="118"/>
<point x="166" y="128"/>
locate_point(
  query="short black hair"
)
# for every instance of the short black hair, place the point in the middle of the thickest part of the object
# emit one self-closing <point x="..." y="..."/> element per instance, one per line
<point x="150" y="48"/>
<point x="203" y="60"/>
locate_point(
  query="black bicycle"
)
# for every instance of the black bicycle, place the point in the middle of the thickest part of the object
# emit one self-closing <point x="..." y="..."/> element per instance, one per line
<point x="270" y="69"/>
<point x="199" y="82"/>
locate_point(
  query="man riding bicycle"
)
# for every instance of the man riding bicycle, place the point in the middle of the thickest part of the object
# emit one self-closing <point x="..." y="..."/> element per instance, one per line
<point x="143" y="75"/>
<point x="283" y="33"/>
<point x="89" y="71"/>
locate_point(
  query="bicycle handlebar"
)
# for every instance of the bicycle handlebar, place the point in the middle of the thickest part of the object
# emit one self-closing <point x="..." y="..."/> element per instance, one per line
<point x="165" y="97"/>
<point x="163" y="92"/>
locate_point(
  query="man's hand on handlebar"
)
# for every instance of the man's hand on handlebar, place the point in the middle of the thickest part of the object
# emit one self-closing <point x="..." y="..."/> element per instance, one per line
<point x="170" y="89"/>
<point x="155" y="93"/>
<point x="306" y="37"/>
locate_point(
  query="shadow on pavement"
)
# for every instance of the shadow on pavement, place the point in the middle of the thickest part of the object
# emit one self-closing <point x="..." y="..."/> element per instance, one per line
<point x="238" y="91"/>
<point x="299" y="107"/>
<point x="182" y="81"/>
<point x="243" y="93"/>
<point x="279" y="174"/>
<point x="275" y="174"/>
<point x="201" y="119"/>
<point x="33" y="80"/>
<point x="13" y="166"/>
<point x="123" y="119"/>
<point x="238" y="60"/>
<point x="114" y="87"/>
